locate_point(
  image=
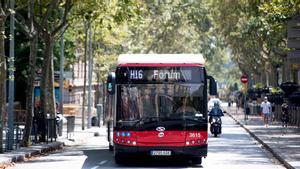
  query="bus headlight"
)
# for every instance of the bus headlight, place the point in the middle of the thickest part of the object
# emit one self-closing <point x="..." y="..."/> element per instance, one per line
<point x="128" y="134"/>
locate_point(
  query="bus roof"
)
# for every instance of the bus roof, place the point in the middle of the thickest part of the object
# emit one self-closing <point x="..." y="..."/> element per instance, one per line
<point x="161" y="58"/>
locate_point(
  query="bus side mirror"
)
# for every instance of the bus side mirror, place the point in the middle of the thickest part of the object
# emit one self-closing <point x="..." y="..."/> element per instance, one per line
<point x="212" y="86"/>
<point x="111" y="81"/>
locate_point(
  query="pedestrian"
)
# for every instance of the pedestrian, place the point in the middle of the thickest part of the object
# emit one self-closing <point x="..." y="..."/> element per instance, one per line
<point x="266" y="109"/>
<point x="238" y="104"/>
<point x="284" y="114"/>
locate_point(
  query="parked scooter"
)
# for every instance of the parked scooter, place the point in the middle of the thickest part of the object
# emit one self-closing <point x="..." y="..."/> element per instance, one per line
<point x="215" y="120"/>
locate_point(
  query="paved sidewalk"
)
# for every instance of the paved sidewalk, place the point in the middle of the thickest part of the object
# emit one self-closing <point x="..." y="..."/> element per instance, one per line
<point x="79" y="137"/>
<point x="284" y="144"/>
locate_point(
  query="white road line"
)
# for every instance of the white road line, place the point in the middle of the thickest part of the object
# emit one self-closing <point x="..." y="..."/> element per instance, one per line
<point x="102" y="162"/>
<point x="95" y="167"/>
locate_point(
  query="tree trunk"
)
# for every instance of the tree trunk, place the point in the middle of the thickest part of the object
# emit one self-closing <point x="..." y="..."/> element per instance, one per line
<point x="84" y="75"/>
<point x="2" y="75"/>
<point x="49" y="28"/>
<point x="47" y="88"/>
<point x="31" y="78"/>
<point x="273" y="76"/>
<point x="30" y="90"/>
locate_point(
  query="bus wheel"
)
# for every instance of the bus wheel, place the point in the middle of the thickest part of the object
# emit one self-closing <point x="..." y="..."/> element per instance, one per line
<point x="119" y="159"/>
<point x="197" y="160"/>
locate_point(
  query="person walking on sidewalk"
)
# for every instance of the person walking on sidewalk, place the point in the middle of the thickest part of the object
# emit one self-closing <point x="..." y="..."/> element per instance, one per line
<point x="284" y="114"/>
<point x="266" y="109"/>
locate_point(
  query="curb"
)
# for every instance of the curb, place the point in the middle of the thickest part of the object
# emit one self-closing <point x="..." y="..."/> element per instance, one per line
<point x="25" y="153"/>
<point x="266" y="146"/>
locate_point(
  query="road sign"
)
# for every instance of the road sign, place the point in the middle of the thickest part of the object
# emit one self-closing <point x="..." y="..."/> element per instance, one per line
<point x="244" y="78"/>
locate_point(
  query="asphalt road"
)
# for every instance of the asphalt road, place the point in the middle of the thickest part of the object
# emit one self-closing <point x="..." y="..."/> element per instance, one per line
<point x="234" y="149"/>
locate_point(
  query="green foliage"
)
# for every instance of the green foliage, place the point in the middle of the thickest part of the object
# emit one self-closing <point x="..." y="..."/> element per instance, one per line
<point x="234" y="36"/>
<point x="105" y="64"/>
<point x="276" y="90"/>
<point x="69" y="52"/>
<point x="169" y="27"/>
<point x="258" y="86"/>
<point x="108" y="21"/>
<point x="255" y="31"/>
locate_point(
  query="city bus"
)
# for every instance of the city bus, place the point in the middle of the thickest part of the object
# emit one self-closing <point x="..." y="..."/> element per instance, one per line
<point x="157" y="106"/>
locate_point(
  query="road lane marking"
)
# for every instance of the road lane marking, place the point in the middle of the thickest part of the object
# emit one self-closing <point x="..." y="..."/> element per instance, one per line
<point x="102" y="162"/>
<point x="95" y="167"/>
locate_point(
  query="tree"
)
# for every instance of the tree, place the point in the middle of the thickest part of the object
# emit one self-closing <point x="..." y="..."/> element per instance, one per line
<point x="255" y="31"/>
<point x="101" y="18"/>
<point x="170" y="27"/>
<point x="31" y="33"/>
<point x="50" y="25"/>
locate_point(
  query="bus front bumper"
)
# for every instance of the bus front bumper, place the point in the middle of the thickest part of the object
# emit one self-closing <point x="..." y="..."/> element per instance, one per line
<point x="188" y="151"/>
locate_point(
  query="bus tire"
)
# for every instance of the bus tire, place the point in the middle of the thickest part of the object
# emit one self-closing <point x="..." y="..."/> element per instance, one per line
<point x="197" y="160"/>
<point x="119" y="159"/>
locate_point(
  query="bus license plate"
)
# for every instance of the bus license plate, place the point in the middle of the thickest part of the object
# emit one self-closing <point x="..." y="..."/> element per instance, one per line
<point x="160" y="153"/>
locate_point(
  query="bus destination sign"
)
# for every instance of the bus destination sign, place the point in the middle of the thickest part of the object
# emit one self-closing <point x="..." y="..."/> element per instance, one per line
<point x="159" y="74"/>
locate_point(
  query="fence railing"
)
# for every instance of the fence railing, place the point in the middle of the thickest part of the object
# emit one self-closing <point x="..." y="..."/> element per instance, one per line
<point x="294" y="114"/>
<point x="18" y="131"/>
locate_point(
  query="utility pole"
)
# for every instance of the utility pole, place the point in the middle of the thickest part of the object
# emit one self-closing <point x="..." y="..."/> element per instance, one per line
<point x="11" y="78"/>
<point x="61" y="81"/>
<point x="89" y="119"/>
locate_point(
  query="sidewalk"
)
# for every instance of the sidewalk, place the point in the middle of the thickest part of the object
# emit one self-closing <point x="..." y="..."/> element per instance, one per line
<point x="79" y="137"/>
<point x="284" y="144"/>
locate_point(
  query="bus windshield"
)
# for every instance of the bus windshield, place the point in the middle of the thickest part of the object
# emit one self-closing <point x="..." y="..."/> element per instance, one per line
<point x="160" y="102"/>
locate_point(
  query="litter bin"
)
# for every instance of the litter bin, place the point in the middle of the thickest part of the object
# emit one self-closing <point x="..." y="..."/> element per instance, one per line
<point x="51" y="129"/>
<point x="95" y="121"/>
<point x="70" y="124"/>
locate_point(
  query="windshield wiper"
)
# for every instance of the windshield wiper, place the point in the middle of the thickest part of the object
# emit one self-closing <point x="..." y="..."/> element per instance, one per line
<point x="146" y="120"/>
<point x="196" y="120"/>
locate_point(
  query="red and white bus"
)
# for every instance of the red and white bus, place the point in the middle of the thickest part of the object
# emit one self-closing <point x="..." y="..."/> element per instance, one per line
<point x="158" y="106"/>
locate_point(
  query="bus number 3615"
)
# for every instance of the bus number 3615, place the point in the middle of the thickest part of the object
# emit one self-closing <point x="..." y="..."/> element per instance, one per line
<point x="194" y="135"/>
